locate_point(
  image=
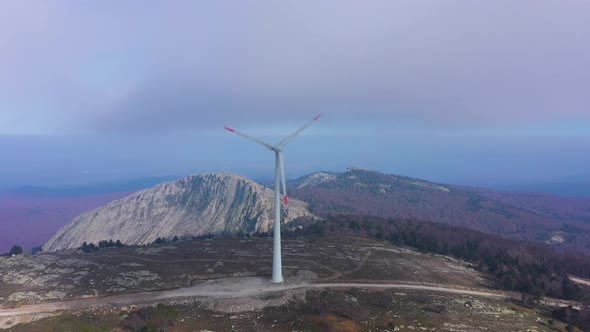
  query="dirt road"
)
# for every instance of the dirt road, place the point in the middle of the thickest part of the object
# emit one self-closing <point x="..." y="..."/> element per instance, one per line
<point x="222" y="288"/>
<point x="580" y="281"/>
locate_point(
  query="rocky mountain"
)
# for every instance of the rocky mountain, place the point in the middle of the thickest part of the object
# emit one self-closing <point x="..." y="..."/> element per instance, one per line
<point x="191" y="206"/>
<point x="562" y="222"/>
<point x="312" y="179"/>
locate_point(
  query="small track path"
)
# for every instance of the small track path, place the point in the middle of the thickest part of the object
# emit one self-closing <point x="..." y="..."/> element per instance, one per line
<point x="224" y="288"/>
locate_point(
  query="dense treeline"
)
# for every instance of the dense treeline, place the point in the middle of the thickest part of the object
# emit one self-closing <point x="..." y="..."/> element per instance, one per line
<point x="15" y="250"/>
<point x="101" y="245"/>
<point x="573" y="317"/>
<point x="162" y="240"/>
<point x="532" y="269"/>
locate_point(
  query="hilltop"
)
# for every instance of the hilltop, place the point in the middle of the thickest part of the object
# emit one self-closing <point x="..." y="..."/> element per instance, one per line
<point x="191" y="206"/>
<point x="561" y="222"/>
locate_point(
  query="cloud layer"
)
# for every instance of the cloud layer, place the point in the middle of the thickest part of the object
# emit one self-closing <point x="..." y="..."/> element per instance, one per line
<point x="135" y="67"/>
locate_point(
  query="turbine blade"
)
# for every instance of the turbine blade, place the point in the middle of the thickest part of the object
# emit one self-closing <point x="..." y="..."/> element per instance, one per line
<point x="266" y="145"/>
<point x="289" y="138"/>
<point x="283" y="181"/>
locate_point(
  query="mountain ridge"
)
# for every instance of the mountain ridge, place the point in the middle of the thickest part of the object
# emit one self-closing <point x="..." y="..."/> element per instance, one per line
<point x="190" y="206"/>
<point x="521" y="216"/>
<point x="563" y="223"/>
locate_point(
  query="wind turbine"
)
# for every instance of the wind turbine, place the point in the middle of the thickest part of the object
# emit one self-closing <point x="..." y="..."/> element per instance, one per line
<point x="277" y="269"/>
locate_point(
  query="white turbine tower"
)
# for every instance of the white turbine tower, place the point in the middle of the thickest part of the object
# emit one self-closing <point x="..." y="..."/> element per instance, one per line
<point x="277" y="269"/>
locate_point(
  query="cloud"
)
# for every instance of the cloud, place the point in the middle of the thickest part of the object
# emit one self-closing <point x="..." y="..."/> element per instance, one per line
<point x="144" y="67"/>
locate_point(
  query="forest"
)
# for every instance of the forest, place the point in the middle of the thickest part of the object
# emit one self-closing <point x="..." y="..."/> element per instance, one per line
<point x="534" y="270"/>
<point x="519" y="216"/>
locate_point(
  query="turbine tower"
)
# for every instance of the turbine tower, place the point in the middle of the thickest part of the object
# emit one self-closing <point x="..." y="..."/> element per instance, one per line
<point x="277" y="269"/>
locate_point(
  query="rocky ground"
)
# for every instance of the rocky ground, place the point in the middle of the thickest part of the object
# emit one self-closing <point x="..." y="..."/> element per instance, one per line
<point x="73" y="274"/>
<point x="339" y="284"/>
<point x="311" y="310"/>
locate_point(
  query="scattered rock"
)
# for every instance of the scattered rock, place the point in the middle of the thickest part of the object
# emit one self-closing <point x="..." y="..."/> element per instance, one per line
<point x="55" y="295"/>
<point x="24" y="296"/>
<point x="350" y="299"/>
<point x="132" y="264"/>
<point x="305" y="275"/>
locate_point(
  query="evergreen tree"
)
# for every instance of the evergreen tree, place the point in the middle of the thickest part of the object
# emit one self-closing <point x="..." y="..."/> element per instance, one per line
<point x="89" y="247"/>
<point x="16" y="250"/>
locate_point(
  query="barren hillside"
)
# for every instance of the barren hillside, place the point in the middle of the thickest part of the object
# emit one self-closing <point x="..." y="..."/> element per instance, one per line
<point x="192" y="206"/>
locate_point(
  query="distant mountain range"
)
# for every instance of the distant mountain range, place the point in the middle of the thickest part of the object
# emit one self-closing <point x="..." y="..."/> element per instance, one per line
<point x="562" y="222"/>
<point x="191" y="206"/>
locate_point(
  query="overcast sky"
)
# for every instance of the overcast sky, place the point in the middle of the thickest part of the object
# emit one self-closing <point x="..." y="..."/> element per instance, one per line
<point x="455" y="91"/>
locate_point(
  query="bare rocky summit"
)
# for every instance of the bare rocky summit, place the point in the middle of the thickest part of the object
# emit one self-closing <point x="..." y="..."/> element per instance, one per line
<point x="312" y="179"/>
<point x="191" y="206"/>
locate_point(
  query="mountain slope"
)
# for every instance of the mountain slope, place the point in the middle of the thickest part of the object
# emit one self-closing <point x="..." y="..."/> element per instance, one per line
<point x="312" y="179"/>
<point x="195" y="205"/>
<point x="562" y="222"/>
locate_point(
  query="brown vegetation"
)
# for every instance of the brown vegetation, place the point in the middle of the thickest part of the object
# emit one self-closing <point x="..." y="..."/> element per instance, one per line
<point x="520" y="216"/>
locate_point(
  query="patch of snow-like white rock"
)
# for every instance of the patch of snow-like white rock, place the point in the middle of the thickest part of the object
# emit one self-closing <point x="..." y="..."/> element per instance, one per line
<point x="313" y="179"/>
<point x="428" y="185"/>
